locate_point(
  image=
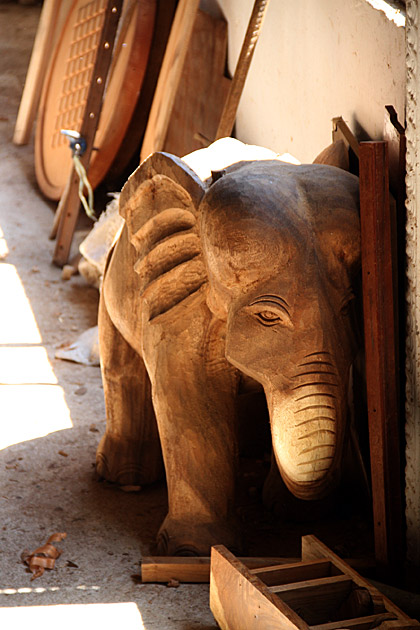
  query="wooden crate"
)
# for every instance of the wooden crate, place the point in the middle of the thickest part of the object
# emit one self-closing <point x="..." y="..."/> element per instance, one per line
<point x="322" y="592"/>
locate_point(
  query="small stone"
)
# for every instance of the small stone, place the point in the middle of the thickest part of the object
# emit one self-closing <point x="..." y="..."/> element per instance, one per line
<point x="67" y="272"/>
<point x="81" y="391"/>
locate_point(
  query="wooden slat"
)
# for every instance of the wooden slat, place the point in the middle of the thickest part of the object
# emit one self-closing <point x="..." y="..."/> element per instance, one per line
<point x="202" y="89"/>
<point x="394" y="135"/>
<point x="358" y="623"/>
<point x="69" y="206"/>
<point x="316" y="600"/>
<point x="50" y="22"/>
<point x="170" y="74"/>
<point x="342" y="132"/>
<point x="227" y="119"/>
<point x="195" y="570"/>
<point x="276" y="575"/>
<point x="377" y="231"/>
<point x="313" y="549"/>
<point x="241" y="601"/>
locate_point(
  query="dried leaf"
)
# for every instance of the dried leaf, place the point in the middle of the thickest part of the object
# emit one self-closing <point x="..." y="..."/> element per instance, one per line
<point x="71" y="564"/>
<point x="58" y="537"/>
<point x="43" y="557"/>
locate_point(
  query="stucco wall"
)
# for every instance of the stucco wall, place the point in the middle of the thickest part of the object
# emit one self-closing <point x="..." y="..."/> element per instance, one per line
<point x="316" y="59"/>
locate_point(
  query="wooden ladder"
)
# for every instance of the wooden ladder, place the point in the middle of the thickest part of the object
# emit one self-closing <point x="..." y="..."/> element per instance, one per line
<point x="322" y="592"/>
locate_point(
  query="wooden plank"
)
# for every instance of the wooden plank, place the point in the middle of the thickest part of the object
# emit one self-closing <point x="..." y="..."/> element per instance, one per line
<point x="241" y="601"/>
<point x="277" y="575"/>
<point x="358" y="623"/>
<point x="169" y="77"/>
<point x="394" y="135"/>
<point x="52" y="15"/>
<point x="71" y="204"/>
<point x="195" y="570"/>
<point x="202" y="89"/>
<point x="252" y="34"/>
<point x="377" y="231"/>
<point x="316" y="600"/>
<point x="342" y="132"/>
<point x="313" y="549"/>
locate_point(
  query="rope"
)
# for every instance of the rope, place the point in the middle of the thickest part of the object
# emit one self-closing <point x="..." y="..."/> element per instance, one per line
<point x="84" y="183"/>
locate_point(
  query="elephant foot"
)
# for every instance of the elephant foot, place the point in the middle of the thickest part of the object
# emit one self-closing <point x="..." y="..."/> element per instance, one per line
<point x="122" y="461"/>
<point x="186" y="538"/>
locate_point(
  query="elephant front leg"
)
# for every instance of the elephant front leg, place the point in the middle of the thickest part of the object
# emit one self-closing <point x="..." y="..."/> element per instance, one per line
<point x="194" y="398"/>
<point x="129" y="452"/>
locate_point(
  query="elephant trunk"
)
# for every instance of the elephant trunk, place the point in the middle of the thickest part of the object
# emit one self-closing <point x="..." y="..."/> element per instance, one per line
<point x="307" y="424"/>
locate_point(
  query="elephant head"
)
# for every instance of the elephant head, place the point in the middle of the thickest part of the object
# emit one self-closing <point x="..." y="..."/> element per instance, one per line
<point x="282" y="248"/>
<point x="273" y="249"/>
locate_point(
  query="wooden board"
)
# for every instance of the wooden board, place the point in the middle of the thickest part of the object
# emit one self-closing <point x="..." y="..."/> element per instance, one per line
<point x="378" y="279"/>
<point x="202" y="89"/>
<point x="394" y="135"/>
<point x="342" y="132"/>
<point x="227" y="119"/>
<point x="67" y="86"/>
<point x="53" y="14"/>
<point x="195" y="570"/>
<point x="169" y="77"/>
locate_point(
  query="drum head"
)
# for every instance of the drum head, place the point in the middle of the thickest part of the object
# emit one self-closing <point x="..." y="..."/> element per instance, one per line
<point x="66" y="88"/>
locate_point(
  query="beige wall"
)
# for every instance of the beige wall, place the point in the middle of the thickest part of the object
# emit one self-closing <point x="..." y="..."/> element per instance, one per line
<point x="316" y="59"/>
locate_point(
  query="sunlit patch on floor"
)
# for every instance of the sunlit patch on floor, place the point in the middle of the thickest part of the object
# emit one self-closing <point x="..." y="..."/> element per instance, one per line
<point x="104" y="616"/>
<point x="32" y="403"/>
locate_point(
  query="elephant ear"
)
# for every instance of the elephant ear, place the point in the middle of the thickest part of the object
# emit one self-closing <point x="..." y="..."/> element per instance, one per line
<point x="336" y="154"/>
<point x="159" y="203"/>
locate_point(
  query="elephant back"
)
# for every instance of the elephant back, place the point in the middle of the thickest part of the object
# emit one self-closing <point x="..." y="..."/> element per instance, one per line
<point x="159" y="203"/>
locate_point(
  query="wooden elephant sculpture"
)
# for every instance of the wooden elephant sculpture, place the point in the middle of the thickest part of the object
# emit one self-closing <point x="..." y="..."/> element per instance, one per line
<point x="247" y="275"/>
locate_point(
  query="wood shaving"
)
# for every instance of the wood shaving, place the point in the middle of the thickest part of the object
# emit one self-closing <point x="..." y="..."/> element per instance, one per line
<point x="43" y="557"/>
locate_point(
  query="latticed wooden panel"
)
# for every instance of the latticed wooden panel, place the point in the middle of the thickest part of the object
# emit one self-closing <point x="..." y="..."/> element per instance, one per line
<point x="78" y="68"/>
<point x="67" y="85"/>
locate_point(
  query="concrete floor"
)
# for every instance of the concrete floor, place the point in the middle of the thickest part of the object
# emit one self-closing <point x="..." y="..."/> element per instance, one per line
<point x="52" y="416"/>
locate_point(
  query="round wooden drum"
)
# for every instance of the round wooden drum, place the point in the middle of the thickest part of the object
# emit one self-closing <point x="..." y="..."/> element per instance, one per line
<point x="66" y="88"/>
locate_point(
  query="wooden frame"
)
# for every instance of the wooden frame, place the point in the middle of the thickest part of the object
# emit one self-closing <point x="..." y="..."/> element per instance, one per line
<point x="380" y="306"/>
<point x="378" y="230"/>
<point x="321" y="592"/>
<point x="68" y="209"/>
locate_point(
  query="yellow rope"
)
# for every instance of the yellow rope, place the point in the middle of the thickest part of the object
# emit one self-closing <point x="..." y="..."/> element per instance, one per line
<point x="84" y="183"/>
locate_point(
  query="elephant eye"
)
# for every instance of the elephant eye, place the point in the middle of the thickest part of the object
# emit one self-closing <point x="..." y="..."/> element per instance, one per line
<point x="268" y="317"/>
<point x="271" y="312"/>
